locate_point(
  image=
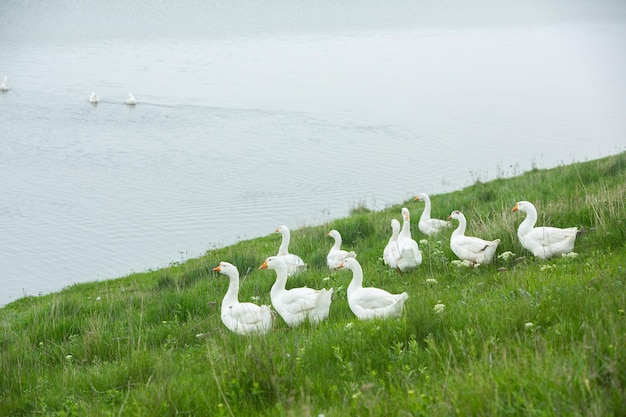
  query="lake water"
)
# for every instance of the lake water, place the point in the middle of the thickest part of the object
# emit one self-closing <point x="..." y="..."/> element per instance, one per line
<point x="255" y="114"/>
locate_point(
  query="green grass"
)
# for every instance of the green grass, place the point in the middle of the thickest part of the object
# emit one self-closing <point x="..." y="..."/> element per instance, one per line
<point x="127" y="347"/>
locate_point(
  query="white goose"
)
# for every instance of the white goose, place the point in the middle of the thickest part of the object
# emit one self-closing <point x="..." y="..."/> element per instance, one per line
<point x="131" y="100"/>
<point x="543" y="242"/>
<point x="242" y="318"/>
<point x="336" y="255"/>
<point x="370" y="302"/>
<point x="427" y="225"/>
<point x="297" y="304"/>
<point x="4" y="86"/>
<point x="294" y="263"/>
<point x="470" y="248"/>
<point x="410" y="255"/>
<point x="391" y="252"/>
<point x="93" y="98"/>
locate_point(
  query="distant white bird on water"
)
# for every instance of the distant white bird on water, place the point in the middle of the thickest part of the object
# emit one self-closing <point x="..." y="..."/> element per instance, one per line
<point x="131" y="101"/>
<point x="93" y="99"/>
<point x="4" y="86"/>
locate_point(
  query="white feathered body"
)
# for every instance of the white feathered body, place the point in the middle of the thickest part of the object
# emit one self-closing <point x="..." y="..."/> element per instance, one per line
<point x="469" y="248"/>
<point x="426" y="224"/>
<point x="391" y="253"/>
<point x="293" y="262"/>
<point x="369" y="302"/>
<point x="336" y="255"/>
<point x="543" y="242"/>
<point x="409" y="252"/>
<point x="297" y="304"/>
<point x="242" y="318"/>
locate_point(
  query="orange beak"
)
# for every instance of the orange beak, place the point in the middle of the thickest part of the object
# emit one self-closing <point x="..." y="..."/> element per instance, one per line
<point x="515" y="208"/>
<point x="416" y="198"/>
<point x="277" y="230"/>
<point x="264" y="265"/>
<point x="450" y="217"/>
<point x="340" y="265"/>
<point x="217" y="269"/>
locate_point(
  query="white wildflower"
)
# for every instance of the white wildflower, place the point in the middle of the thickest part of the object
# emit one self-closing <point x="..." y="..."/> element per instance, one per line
<point x="571" y="255"/>
<point x="431" y="281"/>
<point x="439" y="308"/>
<point x="528" y="325"/>
<point x="505" y="256"/>
<point x="326" y="279"/>
<point x="348" y="325"/>
<point x="461" y="263"/>
<point x="98" y="298"/>
<point x="545" y="267"/>
<point x="423" y="242"/>
<point x="255" y="298"/>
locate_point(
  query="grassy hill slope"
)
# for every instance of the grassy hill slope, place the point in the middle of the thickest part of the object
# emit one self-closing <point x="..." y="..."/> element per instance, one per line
<point x="520" y="337"/>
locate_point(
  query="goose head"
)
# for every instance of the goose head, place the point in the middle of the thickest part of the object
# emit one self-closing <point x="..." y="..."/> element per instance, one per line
<point x="334" y="234"/>
<point x="348" y="263"/>
<point x="455" y="215"/>
<point x="224" y="268"/>
<point x="395" y="225"/>
<point x="273" y="262"/>
<point x="524" y="206"/>
<point x="405" y="214"/>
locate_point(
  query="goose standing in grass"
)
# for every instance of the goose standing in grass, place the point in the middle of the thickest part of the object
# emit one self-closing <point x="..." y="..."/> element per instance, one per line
<point x="543" y="242"/>
<point x="336" y="255"/>
<point x="427" y="225"/>
<point x="294" y="263"/>
<point x="131" y="100"/>
<point x="391" y="252"/>
<point x="410" y="255"/>
<point x="473" y="249"/>
<point x="242" y="318"/>
<point x="369" y="302"/>
<point x="93" y="98"/>
<point x="4" y="86"/>
<point x="297" y="304"/>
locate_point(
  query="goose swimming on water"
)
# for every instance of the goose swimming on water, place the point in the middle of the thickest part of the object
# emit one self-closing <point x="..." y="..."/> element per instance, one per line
<point x="93" y="99"/>
<point x="4" y="86"/>
<point x="131" y="101"/>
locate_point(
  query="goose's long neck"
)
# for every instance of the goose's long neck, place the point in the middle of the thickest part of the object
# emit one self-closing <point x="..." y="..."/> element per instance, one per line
<point x="284" y="244"/>
<point x="530" y="220"/>
<point x="233" y="290"/>
<point x="426" y="213"/>
<point x="357" y="278"/>
<point x="460" y="230"/>
<point x="337" y="244"/>
<point x="281" y="280"/>
<point x="394" y="234"/>
<point x="406" y="228"/>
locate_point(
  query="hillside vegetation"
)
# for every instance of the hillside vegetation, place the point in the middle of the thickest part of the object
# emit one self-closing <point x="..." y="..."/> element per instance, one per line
<point x="522" y="336"/>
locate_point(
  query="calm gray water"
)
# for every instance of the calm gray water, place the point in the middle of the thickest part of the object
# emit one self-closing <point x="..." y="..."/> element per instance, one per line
<point x="254" y="114"/>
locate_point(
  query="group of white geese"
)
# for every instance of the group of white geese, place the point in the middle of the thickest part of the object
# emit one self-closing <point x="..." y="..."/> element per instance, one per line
<point x="296" y="305"/>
